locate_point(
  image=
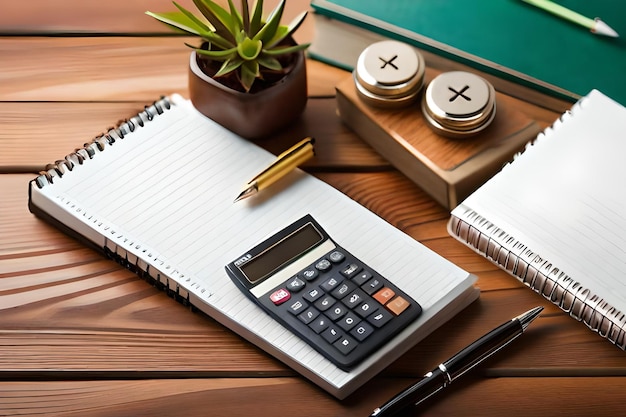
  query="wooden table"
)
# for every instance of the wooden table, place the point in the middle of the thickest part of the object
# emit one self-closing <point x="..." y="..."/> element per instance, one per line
<point x="80" y="335"/>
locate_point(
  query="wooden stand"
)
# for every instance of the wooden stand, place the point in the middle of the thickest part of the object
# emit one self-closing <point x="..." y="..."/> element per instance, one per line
<point x="448" y="169"/>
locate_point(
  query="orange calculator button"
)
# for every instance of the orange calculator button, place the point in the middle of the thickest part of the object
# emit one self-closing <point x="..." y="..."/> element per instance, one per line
<point x="398" y="305"/>
<point x="384" y="295"/>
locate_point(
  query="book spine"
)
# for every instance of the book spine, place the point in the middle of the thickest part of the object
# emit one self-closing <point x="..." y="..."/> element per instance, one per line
<point x="439" y="55"/>
<point x="58" y="168"/>
<point x="540" y="275"/>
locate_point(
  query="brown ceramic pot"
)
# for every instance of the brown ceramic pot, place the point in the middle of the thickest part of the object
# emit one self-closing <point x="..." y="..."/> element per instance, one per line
<point x="251" y="115"/>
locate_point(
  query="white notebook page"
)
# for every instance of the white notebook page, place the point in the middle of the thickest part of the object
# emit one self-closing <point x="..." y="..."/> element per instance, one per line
<point x="165" y="193"/>
<point x="564" y="197"/>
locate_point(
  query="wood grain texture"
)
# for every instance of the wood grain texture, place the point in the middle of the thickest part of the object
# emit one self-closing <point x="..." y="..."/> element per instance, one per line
<point x="109" y="68"/>
<point x="82" y="336"/>
<point x="422" y="142"/>
<point x="91" y="17"/>
<point x="36" y="134"/>
<point x="492" y="397"/>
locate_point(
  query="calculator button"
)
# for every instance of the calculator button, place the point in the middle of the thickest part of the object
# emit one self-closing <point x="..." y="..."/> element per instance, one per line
<point x="367" y="308"/>
<point x="325" y="303"/>
<point x="337" y="311"/>
<point x="384" y="295"/>
<point x="362" y="331"/>
<point x="380" y="318"/>
<point x="280" y="296"/>
<point x="297" y="307"/>
<point x="362" y="277"/>
<point x="323" y="265"/>
<point x="309" y="315"/>
<point x="336" y="257"/>
<point x="310" y="274"/>
<point x="331" y="334"/>
<point x="350" y="270"/>
<point x="348" y="321"/>
<point x="355" y="298"/>
<point x="295" y="284"/>
<point x="345" y="344"/>
<point x="372" y="286"/>
<point x="398" y="305"/>
<point x="330" y="284"/>
<point x="312" y="295"/>
<point x="320" y="324"/>
<point x="343" y="289"/>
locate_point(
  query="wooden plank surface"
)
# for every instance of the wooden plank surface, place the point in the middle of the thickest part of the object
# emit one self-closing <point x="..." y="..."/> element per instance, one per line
<point x="36" y="134"/>
<point x="109" y="69"/>
<point x="80" y="335"/>
<point x="492" y="397"/>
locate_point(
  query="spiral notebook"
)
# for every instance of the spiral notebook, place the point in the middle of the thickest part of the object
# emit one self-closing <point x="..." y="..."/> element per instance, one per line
<point x="554" y="217"/>
<point x="156" y="194"/>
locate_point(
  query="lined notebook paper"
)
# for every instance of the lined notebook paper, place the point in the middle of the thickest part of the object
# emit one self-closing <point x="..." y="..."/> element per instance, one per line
<point x="161" y="199"/>
<point x="554" y="217"/>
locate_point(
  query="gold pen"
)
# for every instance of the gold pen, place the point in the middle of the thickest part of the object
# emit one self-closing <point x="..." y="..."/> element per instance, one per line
<point x="284" y="163"/>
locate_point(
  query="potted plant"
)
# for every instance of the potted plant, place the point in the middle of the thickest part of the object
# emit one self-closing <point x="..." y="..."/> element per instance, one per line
<point x="248" y="73"/>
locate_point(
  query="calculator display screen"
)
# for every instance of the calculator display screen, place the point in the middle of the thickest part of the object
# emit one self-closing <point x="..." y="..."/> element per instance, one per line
<point x="281" y="253"/>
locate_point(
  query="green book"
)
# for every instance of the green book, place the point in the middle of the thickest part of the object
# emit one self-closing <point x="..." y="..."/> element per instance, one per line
<point x="508" y="39"/>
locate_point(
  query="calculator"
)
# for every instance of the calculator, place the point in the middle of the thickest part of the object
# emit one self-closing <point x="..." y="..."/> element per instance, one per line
<point x="318" y="290"/>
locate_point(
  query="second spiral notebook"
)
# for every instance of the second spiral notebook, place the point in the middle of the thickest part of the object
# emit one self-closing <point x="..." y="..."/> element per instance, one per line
<point x="554" y="217"/>
<point x="156" y="194"/>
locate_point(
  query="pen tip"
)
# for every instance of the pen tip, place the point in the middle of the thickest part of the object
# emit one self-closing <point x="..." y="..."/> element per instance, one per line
<point x="526" y="318"/>
<point x="251" y="189"/>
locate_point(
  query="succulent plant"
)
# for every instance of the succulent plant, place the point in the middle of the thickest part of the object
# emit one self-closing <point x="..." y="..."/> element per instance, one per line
<point x="242" y="40"/>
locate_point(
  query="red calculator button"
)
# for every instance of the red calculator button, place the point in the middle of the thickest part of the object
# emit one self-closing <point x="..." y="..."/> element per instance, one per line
<point x="280" y="296"/>
<point x="398" y="305"/>
<point x="384" y="295"/>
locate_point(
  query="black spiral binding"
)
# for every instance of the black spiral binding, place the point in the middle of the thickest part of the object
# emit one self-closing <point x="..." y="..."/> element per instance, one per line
<point x="89" y="150"/>
<point x="99" y="143"/>
<point x="149" y="274"/>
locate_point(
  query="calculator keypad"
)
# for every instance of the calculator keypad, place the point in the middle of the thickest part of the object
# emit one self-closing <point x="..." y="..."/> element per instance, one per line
<point x="341" y="307"/>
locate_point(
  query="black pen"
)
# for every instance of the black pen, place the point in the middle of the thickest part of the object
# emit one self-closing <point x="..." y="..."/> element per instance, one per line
<point x="459" y="364"/>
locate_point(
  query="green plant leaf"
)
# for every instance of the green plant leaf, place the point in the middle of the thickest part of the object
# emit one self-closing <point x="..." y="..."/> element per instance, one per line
<point x="216" y="40"/>
<point x="236" y="19"/>
<point x="269" y="62"/>
<point x="218" y="55"/>
<point x="177" y="20"/>
<point x="199" y="24"/>
<point x="249" y="49"/>
<point x="180" y="21"/>
<point x="268" y="30"/>
<point x="257" y="17"/>
<point x="283" y="32"/>
<point x="248" y="73"/>
<point x="245" y="16"/>
<point x="219" y="17"/>
<point x="240" y="37"/>
<point x="229" y="66"/>
<point x="286" y="49"/>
